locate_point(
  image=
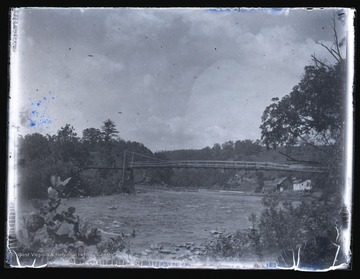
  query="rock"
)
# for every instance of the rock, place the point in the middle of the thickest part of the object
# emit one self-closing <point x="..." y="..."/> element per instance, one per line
<point x="193" y="249"/>
<point x="112" y="207"/>
<point x="154" y="247"/>
<point x="215" y="232"/>
<point x="186" y="255"/>
<point x="165" y="251"/>
<point x="144" y="253"/>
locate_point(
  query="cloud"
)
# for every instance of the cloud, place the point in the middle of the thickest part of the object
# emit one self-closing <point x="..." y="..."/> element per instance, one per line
<point x="169" y="78"/>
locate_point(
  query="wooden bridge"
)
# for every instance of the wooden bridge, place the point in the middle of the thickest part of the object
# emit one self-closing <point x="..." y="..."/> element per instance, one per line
<point x="237" y="165"/>
<point x="130" y="164"/>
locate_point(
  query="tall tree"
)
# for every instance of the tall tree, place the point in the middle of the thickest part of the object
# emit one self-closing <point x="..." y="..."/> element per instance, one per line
<point x="109" y="130"/>
<point x="313" y="112"/>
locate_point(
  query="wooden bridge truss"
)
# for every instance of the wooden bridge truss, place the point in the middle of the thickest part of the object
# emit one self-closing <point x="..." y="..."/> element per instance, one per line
<point x="208" y="164"/>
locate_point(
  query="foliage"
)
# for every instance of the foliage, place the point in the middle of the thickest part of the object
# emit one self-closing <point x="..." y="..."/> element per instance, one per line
<point x="227" y="246"/>
<point x="52" y="233"/>
<point x="42" y="156"/>
<point x="65" y="154"/>
<point x="99" y="185"/>
<point x="309" y="229"/>
<point x="91" y="136"/>
<point x="260" y="181"/>
<point x="109" y="130"/>
<point x="312" y="226"/>
<point x="112" y="245"/>
<point x="238" y="150"/>
<point x="318" y="253"/>
<point x="34" y="176"/>
<point x="234" y="246"/>
<point x="313" y="112"/>
<point x="49" y="231"/>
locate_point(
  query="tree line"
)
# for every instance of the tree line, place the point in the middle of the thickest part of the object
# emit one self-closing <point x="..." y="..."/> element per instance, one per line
<point x="66" y="154"/>
<point x="229" y="150"/>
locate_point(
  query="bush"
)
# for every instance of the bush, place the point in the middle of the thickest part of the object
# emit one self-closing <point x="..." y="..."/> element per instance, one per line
<point x="311" y="229"/>
<point x="227" y="246"/>
<point x="51" y="232"/>
<point x="242" y="243"/>
<point x="308" y="229"/>
<point x="95" y="185"/>
<point x="35" y="176"/>
<point x="283" y="225"/>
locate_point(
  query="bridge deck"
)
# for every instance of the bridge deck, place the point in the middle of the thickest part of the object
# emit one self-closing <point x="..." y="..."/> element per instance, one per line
<point x="245" y="165"/>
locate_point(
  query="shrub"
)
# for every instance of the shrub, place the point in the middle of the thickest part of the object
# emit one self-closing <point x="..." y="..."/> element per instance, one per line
<point x="95" y="184"/>
<point x="233" y="246"/>
<point x="111" y="246"/>
<point x="34" y="176"/>
<point x="227" y="246"/>
<point x="49" y="231"/>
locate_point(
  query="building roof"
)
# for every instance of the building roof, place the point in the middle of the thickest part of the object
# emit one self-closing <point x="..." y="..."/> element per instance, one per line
<point x="281" y="180"/>
<point x="301" y="180"/>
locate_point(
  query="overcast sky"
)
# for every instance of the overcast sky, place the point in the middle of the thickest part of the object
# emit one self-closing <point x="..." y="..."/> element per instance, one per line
<point x="168" y="78"/>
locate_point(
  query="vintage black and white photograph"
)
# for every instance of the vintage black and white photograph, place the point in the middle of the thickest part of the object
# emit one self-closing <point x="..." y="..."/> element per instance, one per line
<point x="217" y="138"/>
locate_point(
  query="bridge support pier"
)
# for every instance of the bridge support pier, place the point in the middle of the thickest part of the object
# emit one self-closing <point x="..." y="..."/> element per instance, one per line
<point x="127" y="185"/>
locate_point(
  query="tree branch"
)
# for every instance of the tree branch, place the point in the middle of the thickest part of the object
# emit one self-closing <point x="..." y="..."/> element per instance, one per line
<point x="318" y="61"/>
<point x="331" y="51"/>
<point x="313" y="145"/>
<point x="336" y="38"/>
<point x="298" y="161"/>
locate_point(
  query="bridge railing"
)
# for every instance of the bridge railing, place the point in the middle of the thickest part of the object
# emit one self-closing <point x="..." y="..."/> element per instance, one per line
<point x="247" y="165"/>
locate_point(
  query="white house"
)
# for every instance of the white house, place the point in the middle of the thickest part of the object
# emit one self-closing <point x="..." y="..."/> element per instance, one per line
<point x="301" y="185"/>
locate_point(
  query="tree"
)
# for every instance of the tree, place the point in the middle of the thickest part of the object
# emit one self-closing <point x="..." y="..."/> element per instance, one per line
<point x="247" y="147"/>
<point x="34" y="146"/>
<point x="66" y="134"/>
<point x="109" y="131"/>
<point x="216" y="151"/>
<point x="91" y="136"/>
<point x="66" y="146"/>
<point x="228" y="149"/>
<point x="313" y="112"/>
